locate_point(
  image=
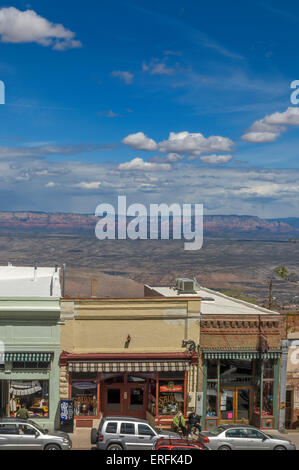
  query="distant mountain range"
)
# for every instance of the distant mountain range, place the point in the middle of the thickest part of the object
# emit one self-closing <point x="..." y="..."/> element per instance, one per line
<point x="214" y="225"/>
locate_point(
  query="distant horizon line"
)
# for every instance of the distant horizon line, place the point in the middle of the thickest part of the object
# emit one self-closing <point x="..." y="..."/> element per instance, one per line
<point x="93" y="215"/>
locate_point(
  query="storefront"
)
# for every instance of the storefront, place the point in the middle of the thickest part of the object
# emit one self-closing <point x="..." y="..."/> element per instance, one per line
<point x="30" y="380"/>
<point x="241" y="388"/>
<point x="29" y="360"/>
<point x="144" y="387"/>
<point x="28" y="384"/>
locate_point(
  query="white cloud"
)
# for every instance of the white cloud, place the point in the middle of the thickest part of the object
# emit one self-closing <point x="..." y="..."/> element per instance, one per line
<point x="196" y="143"/>
<point x="27" y="26"/>
<point x="140" y="164"/>
<point x="51" y="184"/>
<point x="271" y="127"/>
<point x="215" y="159"/>
<point x="156" y="67"/>
<point x="87" y="185"/>
<point x="124" y="75"/>
<point x="140" y="141"/>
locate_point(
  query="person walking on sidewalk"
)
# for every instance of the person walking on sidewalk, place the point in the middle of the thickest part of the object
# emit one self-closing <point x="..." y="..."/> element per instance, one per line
<point x="23" y="413"/>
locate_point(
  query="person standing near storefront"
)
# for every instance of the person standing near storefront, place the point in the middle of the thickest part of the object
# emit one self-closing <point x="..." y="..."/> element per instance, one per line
<point x="179" y="424"/>
<point x="23" y="413"/>
<point x="193" y="421"/>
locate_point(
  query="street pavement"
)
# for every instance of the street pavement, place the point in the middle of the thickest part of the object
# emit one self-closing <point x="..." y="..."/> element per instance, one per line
<point x="81" y="438"/>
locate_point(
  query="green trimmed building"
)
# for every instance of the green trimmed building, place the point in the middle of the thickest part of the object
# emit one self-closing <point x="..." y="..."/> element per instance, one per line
<point x="30" y="342"/>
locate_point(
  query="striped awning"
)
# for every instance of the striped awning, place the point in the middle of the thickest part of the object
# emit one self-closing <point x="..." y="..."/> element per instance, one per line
<point x="25" y="357"/>
<point x="241" y="355"/>
<point x="138" y="366"/>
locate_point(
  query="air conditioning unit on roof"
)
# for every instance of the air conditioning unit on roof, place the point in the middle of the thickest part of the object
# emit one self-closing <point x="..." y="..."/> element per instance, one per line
<point x="185" y="286"/>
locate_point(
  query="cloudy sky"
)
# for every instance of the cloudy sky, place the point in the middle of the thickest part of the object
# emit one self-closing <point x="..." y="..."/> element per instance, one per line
<point x="169" y="101"/>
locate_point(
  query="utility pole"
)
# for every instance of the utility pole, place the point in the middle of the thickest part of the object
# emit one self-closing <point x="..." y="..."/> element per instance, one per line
<point x="270" y="293"/>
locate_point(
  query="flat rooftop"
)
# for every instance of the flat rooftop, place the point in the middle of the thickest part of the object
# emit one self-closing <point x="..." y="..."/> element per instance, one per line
<point x="215" y="303"/>
<point x="19" y="281"/>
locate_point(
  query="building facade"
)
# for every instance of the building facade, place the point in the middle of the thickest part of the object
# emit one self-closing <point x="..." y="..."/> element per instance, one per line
<point x="127" y="356"/>
<point x="292" y="386"/>
<point x="239" y="361"/>
<point x="30" y="342"/>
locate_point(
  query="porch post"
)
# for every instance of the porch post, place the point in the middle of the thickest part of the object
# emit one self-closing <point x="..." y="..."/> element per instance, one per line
<point x="204" y="393"/>
<point x="283" y="384"/>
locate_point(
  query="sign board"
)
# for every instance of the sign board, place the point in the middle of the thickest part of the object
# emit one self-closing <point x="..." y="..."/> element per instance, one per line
<point x="66" y="412"/>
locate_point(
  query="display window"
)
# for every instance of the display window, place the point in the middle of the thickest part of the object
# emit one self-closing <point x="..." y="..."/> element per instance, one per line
<point x="171" y="397"/>
<point x="30" y="395"/>
<point x="268" y="388"/>
<point x="84" y="393"/>
<point x="212" y="399"/>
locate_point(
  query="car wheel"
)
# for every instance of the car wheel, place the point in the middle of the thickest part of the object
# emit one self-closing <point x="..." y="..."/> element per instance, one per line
<point x="280" y="448"/>
<point x="114" y="447"/>
<point x="52" y="447"/>
<point x="224" y="448"/>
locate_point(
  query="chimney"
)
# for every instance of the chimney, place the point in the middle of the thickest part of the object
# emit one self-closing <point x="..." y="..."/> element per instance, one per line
<point x="35" y="271"/>
<point x="94" y="288"/>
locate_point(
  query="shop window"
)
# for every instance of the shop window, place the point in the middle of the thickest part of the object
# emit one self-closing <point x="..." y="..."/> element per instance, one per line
<point x="234" y="372"/>
<point x="127" y="428"/>
<point x="268" y="369"/>
<point x="212" y="399"/>
<point x="32" y="395"/>
<point x="268" y="398"/>
<point x="84" y="393"/>
<point x="171" y="397"/>
<point x="136" y="399"/>
<point x="212" y="368"/>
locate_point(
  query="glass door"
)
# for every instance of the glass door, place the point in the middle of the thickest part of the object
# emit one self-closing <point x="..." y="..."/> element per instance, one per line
<point x="243" y="404"/>
<point x="136" y="400"/>
<point x="235" y="404"/>
<point x="227" y="404"/>
<point x="114" y="400"/>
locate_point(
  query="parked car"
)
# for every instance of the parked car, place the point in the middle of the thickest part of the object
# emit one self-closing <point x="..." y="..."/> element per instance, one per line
<point x="23" y="434"/>
<point x="178" y="444"/>
<point x="240" y="437"/>
<point x="127" y="433"/>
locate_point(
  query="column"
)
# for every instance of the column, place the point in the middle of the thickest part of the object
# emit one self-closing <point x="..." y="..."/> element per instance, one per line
<point x="283" y="384"/>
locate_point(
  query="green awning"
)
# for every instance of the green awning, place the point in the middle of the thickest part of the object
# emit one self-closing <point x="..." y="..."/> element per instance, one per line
<point x="25" y="357"/>
<point x="241" y="355"/>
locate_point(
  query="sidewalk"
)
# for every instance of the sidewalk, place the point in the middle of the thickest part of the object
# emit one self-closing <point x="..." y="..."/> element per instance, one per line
<point x="81" y="439"/>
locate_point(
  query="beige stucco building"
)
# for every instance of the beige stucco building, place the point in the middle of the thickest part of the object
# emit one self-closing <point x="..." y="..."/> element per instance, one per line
<point x="127" y="356"/>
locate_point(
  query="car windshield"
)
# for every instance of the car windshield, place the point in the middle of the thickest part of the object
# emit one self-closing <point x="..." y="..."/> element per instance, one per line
<point x="217" y="431"/>
<point x="39" y="428"/>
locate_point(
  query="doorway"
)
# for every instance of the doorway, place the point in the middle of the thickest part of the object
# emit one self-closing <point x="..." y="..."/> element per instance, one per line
<point x="128" y="397"/>
<point x="235" y="404"/>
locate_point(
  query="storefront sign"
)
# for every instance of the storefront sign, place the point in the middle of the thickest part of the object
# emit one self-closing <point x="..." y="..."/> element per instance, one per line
<point x="171" y="387"/>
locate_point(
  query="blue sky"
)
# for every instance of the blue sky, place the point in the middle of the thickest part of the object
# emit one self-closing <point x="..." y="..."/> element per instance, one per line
<point x="162" y="101"/>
